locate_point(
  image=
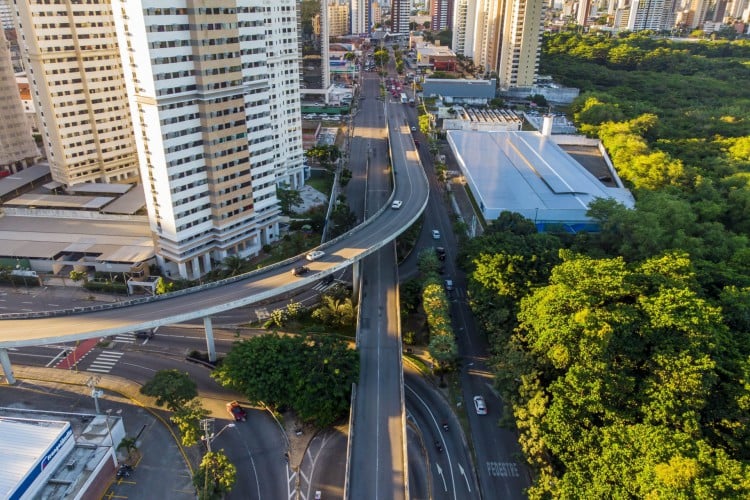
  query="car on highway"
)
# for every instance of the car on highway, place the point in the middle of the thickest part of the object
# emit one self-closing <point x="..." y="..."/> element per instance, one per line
<point x="413" y="128"/>
<point x="300" y="270"/>
<point x="396" y="204"/>
<point x="479" y="405"/>
<point x="315" y="255"/>
<point x="449" y="285"/>
<point x="435" y="234"/>
<point x="440" y="251"/>
<point x="237" y="412"/>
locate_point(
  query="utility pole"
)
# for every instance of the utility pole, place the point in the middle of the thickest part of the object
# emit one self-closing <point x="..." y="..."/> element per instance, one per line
<point x="206" y="425"/>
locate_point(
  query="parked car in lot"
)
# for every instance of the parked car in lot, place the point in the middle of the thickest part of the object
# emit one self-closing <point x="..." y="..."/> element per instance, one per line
<point x="300" y="270"/>
<point x="396" y="204"/>
<point x="237" y="412"/>
<point x="315" y="255"/>
<point x="479" y="405"/>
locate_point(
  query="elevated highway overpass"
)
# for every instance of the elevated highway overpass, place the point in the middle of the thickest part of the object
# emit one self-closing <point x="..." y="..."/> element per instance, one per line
<point x="46" y="327"/>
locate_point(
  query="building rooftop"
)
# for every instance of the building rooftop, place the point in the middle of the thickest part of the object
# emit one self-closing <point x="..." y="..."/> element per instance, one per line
<point x="434" y="50"/>
<point x="48" y="237"/>
<point x="28" y="176"/>
<point x="63" y="201"/>
<point x="99" y="188"/>
<point x="128" y="204"/>
<point x="528" y="173"/>
<point x="459" y="88"/>
<point x="24" y="442"/>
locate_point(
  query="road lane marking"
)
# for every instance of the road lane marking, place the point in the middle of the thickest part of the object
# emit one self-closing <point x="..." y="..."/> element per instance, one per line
<point x="503" y="469"/>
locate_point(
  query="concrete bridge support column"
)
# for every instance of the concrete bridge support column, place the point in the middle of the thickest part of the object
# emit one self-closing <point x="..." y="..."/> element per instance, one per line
<point x="210" y="344"/>
<point x="5" y="362"/>
<point x="355" y="280"/>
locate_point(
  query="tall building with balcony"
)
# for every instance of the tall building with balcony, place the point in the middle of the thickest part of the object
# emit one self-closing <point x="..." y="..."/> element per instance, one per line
<point x="338" y="18"/>
<point x="441" y="14"/>
<point x="501" y="36"/>
<point x="464" y="24"/>
<point x="214" y="95"/>
<point x="17" y="147"/>
<point x="73" y="63"/>
<point x="6" y="15"/>
<point x="361" y="18"/>
<point x="650" y="15"/>
<point x="520" y="44"/>
<point x="400" y="11"/>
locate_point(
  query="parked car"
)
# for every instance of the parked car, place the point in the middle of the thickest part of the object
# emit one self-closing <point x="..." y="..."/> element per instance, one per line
<point x="479" y="405"/>
<point x="396" y="204"/>
<point x="300" y="270"/>
<point x="435" y="234"/>
<point x="315" y="255"/>
<point x="237" y="412"/>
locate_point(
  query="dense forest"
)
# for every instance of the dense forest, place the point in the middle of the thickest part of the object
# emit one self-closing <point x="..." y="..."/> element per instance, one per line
<point x="624" y="355"/>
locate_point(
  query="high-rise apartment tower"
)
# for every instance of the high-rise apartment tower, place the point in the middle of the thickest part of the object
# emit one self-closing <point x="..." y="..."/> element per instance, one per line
<point x="214" y="93"/>
<point x="17" y="147"/>
<point x="73" y="63"/>
<point x="400" y="11"/>
<point x="501" y="36"/>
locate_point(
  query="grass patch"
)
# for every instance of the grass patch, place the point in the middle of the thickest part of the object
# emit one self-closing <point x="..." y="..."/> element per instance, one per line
<point x="474" y="204"/>
<point x="419" y="364"/>
<point x="321" y="181"/>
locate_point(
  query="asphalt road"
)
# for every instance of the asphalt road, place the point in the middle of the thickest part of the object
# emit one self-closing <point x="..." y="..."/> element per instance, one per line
<point x="500" y="473"/>
<point x="378" y="450"/>
<point x="451" y="468"/>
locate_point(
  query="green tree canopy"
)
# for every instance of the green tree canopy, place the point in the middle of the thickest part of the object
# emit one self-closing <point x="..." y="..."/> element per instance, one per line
<point x="312" y="376"/>
<point x="171" y="388"/>
<point x="215" y="477"/>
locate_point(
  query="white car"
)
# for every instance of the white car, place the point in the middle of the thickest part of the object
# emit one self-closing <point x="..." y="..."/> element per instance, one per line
<point x="479" y="405"/>
<point x="396" y="204"/>
<point x="315" y="255"/>
<point x="435" y="234"/>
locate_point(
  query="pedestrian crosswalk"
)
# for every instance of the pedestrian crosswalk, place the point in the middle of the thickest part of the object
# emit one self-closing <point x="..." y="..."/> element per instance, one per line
<point x="105" y="361"/>
<point x="321" y="287"/>
<point x="125" y="338"/>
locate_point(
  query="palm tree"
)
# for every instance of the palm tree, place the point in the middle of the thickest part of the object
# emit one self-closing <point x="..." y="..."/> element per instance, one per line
<point x="335" y="312"/>
<point x="233" y="264"/>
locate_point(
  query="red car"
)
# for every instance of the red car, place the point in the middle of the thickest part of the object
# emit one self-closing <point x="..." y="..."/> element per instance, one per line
<point x="237" y="412"/>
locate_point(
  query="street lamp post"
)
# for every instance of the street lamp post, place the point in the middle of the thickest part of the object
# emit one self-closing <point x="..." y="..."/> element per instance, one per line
<point x="206" y="424"/>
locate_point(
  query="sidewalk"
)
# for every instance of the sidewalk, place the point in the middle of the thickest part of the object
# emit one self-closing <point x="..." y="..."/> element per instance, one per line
<point x="311" y="197"/>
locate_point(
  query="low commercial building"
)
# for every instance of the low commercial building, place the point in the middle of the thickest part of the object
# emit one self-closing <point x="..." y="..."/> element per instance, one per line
<point x="460" y="91"/>
<point x="535" y="175"/>
<point x="487" y="120"/>
<point x="50" y="229"/>
<point x="59" y="456"/>
<point x="436" y="57"/>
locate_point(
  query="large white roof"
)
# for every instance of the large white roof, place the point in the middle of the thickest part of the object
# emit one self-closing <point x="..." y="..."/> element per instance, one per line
<point x="528" y="173"/>
<point x="23" y="443"/>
